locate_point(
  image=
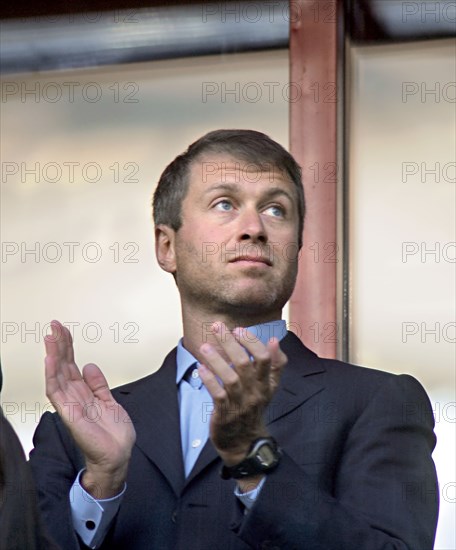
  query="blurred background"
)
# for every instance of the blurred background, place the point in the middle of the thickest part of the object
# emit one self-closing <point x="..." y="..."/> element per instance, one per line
<point x="96" y="103"/>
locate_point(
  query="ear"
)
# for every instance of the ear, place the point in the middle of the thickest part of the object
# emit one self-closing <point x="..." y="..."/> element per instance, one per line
<point x="165" y="247"/>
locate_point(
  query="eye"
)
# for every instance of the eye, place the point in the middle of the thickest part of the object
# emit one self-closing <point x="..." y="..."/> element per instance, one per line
<point x="224" y="206"/>
<point x="275" y="211"/>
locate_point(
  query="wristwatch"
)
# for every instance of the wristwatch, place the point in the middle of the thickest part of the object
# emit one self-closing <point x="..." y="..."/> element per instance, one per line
<point x="263" y="456"/>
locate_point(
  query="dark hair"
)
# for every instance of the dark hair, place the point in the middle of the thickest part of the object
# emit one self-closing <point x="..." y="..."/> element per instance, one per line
<point x="247" y="145"/>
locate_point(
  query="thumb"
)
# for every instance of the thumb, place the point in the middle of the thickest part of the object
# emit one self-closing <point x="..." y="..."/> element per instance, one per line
<point x="97" y="382"/>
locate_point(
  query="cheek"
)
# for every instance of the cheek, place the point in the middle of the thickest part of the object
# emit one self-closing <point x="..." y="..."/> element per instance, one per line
<point x="285" y="245"/>
<point x="290" y="252"/>
<point x="194" y="250"/>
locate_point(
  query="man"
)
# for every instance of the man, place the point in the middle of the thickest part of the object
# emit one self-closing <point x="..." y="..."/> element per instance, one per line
<point x="263" y="444"/>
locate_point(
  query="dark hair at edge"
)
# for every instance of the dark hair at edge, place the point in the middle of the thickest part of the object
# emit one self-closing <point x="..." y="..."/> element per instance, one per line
<point x="247" y="145"/>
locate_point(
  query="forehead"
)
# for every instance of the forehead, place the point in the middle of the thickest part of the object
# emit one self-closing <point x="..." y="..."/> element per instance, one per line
<point x="214" y="169"/>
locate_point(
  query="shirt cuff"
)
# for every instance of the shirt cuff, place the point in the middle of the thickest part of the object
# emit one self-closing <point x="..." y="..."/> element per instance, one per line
<point x="249" y="497"/>
<point x="92" y="517"/>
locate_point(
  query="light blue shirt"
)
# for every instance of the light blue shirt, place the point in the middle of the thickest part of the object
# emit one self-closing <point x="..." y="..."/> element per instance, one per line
<point x="195" y="407"/>
<point x="195" y="402"/>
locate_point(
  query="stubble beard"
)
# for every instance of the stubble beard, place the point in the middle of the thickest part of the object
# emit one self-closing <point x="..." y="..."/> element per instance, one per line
<point x="218" y="293"/>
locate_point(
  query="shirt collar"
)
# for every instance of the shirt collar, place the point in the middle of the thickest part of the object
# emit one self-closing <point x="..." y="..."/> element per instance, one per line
<point x="263" y="331"/>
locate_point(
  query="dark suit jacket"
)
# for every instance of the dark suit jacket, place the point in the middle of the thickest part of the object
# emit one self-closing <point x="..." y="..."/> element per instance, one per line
<point x="356" y="473"/>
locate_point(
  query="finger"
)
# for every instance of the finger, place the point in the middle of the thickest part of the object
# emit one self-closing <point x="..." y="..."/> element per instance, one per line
<point x="70" y="348"/>
<point x="54" y="342"/>
<point x="278" y="362"/>
<point x="60" y="344"/>
<point x="59" y="385"/>
<point x="213" y="386"/>
<point x="217" y="363"/>
<point x="59" y="348"/>
<point x="97" y="382"/>
<point x="54" y="373"/>
<point x="261" y="355"/>
<point x="230" y="344"/>
<point x="53" y="384"/>
<point x="236" y="353"/>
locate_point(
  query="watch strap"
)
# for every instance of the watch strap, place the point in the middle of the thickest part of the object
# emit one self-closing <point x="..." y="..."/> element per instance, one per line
<point x="254" y="464"/>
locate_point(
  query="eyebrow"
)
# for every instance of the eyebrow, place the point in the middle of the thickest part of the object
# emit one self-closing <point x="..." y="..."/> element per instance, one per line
<point x="271" y="192"/>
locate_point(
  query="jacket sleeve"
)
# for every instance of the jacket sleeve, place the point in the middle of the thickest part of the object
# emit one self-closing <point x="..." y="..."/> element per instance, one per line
<point x="384" y="495"/>
<point x="55" y="462"/>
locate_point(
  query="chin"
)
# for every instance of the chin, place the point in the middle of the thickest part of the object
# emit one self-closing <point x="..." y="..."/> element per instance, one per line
<point x="258" y="301"/>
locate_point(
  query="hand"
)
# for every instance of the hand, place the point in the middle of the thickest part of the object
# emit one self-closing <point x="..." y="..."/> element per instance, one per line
<point x="245" y="391"/>
<point x="100" y="426"/>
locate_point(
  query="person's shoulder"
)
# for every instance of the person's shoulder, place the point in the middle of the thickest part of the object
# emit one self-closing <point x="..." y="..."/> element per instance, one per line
<point x="336" y="367"/>
<point x="342" y="374"/>
<point x="135" y="383"/>
<point x="167" y="369"/>
<point x="367" y="382"/>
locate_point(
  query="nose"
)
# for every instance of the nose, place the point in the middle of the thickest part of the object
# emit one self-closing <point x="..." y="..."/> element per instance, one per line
<point x="251" y="226"/>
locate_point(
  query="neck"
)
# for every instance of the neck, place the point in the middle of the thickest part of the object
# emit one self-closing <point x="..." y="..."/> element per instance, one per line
<point x="197" y="326"/>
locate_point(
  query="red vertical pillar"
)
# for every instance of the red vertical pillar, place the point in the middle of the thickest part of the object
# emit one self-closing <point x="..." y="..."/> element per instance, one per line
<point x="313" y="142"/>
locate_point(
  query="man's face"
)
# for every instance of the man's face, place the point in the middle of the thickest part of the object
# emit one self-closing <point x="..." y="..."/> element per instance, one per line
<point x="236" y="251"/>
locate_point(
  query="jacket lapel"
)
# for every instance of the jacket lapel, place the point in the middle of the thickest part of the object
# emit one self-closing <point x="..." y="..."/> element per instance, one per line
<point x="152" y="402"/>
<point x="298" y="382"/>
<point x="208" y="454"/>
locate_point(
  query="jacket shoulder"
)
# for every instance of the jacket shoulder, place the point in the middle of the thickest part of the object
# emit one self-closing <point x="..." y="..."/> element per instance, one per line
<point x="347" y="376"/>
<point x="166" y="370"/>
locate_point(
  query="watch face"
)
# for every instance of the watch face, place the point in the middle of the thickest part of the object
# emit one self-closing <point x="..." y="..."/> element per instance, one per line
<point x="266" y="455"/>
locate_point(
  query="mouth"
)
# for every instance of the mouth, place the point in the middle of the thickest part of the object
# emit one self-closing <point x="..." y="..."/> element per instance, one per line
<point x="252" y="260"/>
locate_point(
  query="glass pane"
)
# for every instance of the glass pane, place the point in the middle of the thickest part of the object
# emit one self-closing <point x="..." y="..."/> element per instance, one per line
<point x="402" y="229"/>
